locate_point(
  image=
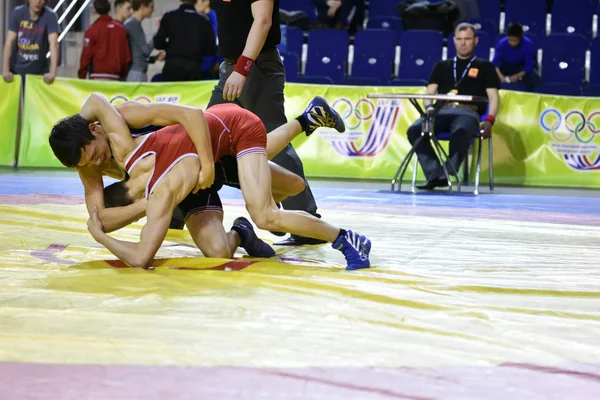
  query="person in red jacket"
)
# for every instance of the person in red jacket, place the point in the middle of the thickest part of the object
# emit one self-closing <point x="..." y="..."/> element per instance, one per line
<point x="105" y="54"/>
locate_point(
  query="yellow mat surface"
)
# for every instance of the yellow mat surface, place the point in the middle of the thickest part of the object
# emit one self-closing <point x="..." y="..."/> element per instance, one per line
<point x="442" y="291"/>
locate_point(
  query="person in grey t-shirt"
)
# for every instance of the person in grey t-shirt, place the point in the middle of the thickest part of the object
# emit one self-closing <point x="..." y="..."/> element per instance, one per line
<point x="141" y="47"/>
<point x="34" y="28"/>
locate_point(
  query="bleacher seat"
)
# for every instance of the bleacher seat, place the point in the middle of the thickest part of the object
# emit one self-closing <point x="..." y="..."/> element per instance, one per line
<point x="300" y="5"/>
<point x="315" y="80"/>
<point x="384" y="22"/>
<point x="419" y="51"/>
<point x="490" y="9"/>
<point x="591" y="91"/>
<point x="294" y="41"/>
<point x="408" y="82"/>
<point x="516" y="86"/>
<point x="563" y="89"/>
<point x="595" y="62"/>
<point x="382" y="8"/>
<point x="531" y="14"/>
<point x="486" y="25"/>
<point x="327" y="53"/>
<point x="482" y="50"/>
<point x="568" y="72"/>
<point x="359" y="81"/>
<point x="374" y="51"/>
<point x="573" y="16"/>
<point x="563" y="58"/>
<point x="291" y="62"/>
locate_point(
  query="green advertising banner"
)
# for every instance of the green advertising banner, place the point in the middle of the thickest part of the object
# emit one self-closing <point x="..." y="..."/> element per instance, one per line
<point x="44" y="105"/>
<point x="9" y="115"/>
<point x="538" y="140"/>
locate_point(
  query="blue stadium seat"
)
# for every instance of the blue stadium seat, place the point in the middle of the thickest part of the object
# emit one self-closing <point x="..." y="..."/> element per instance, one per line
<point x="490" y="9"/>
<point x="563" y="89"/>
<point x="595" y="62"/>
<point x="294" y="41"/>
<point x="374" y="51"/>
<point x="486" y="25"/>
<point x="408" y="82"/>
<point x="358" y="81"/>
<point x="291" y="62"/>
<point x="531" y="14"/>
<point x="516" y="87"/>
<point x="382" y="8"/>
<point x="482" y="50"/>
<point x="591" y="91"/>
<point x="567" y="72"/>
<point x="573" y="46"/>
<point x="419" y="51"/>
<point x="300" y="5"/>
<point x="315" y="80"/>
<point x="573" y="16"/>
<point x="382" y="22"/>
<point x="327" y="53"/>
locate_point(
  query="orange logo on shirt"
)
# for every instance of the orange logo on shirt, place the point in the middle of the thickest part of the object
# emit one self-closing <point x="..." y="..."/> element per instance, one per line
<point x="473" y="72"/>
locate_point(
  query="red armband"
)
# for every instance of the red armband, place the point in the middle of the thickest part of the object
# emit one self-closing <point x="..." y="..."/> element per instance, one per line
<point x="490" y="118"/>
<point x="243" y="65"/>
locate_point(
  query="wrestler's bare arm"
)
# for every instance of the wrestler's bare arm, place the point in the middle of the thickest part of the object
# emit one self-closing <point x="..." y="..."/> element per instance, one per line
<point x="96" y="108"/>
<point x="162" y="114"/>
<point x="173" y="188"/>
<point x="159" y="211"/>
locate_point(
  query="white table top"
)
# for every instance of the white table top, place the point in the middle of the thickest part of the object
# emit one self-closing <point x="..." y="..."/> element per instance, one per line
<point x="446" y="97"/>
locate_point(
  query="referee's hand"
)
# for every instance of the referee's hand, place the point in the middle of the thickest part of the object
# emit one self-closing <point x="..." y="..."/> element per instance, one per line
<point x="234" y="86"/>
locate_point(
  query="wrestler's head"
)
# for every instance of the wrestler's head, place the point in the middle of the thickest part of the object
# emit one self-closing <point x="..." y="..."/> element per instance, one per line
<point x="76" y="142"/>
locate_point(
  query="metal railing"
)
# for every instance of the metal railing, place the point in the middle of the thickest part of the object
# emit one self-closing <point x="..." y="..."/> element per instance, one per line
<point x="65" y="14"/>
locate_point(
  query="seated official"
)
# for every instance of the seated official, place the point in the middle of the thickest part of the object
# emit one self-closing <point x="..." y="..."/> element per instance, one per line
<point x="515" y="58"/>
<point x="464" y="74"/>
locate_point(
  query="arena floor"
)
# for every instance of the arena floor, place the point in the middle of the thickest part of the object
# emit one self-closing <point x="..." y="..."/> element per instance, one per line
<point x="488" y="297"/>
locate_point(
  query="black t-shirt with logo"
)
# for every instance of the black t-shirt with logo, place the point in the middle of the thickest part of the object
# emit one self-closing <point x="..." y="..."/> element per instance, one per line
<point x="234" y="19"/>
<point x="481" y="75"/>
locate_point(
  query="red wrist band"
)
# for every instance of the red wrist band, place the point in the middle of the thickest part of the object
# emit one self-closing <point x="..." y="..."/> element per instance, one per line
<point x="243" y="65"/>
<point x="490" y="118"/>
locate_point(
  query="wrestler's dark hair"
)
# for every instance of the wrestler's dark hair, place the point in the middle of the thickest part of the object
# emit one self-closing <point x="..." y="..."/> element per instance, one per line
<point x="68" y="137"/>
<point x="117" y="195"/>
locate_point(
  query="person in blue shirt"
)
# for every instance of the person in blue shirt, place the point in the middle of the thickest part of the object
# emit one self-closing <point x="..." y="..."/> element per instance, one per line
<point x="515" y="58"/>
<point x="210" y="65"/>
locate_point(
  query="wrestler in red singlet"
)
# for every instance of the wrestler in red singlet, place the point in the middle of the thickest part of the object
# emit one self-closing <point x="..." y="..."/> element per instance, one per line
<point x="233" y="131"/>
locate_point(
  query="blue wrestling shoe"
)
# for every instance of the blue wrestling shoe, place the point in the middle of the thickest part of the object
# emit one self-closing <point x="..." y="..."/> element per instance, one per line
<point x="250" y="242"/>
<point x="356" y="249"/>
<point x="319" y="114"/>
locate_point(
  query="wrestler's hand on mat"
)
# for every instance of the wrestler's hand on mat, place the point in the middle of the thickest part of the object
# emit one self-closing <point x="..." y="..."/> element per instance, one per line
<point x="95" y="226"/>
<point x="206" y="178"/>
<point x="234" y="86"/>
<point x="487" y="129"/>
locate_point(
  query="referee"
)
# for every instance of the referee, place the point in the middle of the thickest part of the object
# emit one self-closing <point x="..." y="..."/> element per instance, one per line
<point x="253" y="76"/>
<point x="188" y="37"/>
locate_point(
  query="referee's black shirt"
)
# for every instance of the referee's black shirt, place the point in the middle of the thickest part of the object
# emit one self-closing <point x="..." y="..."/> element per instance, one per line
<point x="234" y="20"/>
<point x="185" y="33"/>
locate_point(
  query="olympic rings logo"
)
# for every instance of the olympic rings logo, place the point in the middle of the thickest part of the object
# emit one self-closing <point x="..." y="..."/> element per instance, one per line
<point x="118" y="99"/>
<point x="575" y="125"/>
<point x="354" y="114"/>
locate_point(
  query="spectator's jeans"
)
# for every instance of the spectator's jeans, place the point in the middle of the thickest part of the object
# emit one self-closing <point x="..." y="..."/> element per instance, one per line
<point x="462" y="124"/>
<point x="530" y="80"/>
